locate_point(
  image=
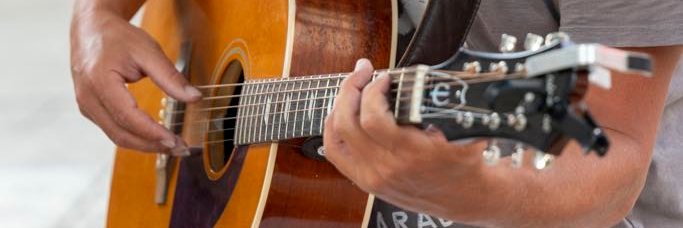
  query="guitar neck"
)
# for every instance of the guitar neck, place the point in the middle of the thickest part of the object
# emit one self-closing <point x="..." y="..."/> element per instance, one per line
<point x="285" y="108"/>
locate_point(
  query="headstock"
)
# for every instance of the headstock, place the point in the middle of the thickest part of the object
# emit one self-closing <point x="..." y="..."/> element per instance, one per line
<point x="533" y="97"/>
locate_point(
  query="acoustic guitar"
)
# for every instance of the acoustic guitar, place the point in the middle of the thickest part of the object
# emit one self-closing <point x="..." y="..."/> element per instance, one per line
<point x="269" y="74"/>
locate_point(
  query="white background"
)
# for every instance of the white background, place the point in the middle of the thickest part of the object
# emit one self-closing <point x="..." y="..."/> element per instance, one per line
<point x="55" y="165"/>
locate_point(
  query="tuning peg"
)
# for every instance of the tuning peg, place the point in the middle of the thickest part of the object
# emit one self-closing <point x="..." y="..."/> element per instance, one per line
<point x="507" y="43"/>
<point x="472" y="67"/>
<point x="163" y="102"/>
<point x="556" y="36"/>
<point x="492" y="121"/>
<point x="520" y="68"/>
<point x="533" y="42"/>
<point x="499" y="67"/>
<point x="162" y="113"/>
<point x="492" y="153"/>
<point x="518" y="156"/>
<point x="520" y="122"/>
<point x="542" y="160"/>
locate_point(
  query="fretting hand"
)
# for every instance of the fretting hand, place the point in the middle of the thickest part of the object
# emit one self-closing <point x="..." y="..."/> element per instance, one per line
<point x="402" y="164"/>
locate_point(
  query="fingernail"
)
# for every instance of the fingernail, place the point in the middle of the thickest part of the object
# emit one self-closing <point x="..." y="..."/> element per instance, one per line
<point x="431" y="128"/>
<point x="180" y="151"/>
<point x="192" y="91"/>
<point x="168" y="143"/>
<point x="361" y="63"/>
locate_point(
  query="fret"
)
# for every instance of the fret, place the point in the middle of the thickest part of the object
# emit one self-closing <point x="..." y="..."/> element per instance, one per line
<point x="276" y="113"/>
<point x="272" y="98"/>
<point x="262" y="112"/>
<point x="286" y="114"/>
<point x="312" y="110"/>
<point x="245" y="113"/>
<point x="296" y="113"/>
<point x="398" y="93"/>
<point x="255" y="109"/>
<point x="325" y="105"/>
<point x="270" y="112"/>
<point x="306" y="108"/>
<point x="238" y="123"/>
<point x="252" y="112"/>
<point x="336" y="91"/>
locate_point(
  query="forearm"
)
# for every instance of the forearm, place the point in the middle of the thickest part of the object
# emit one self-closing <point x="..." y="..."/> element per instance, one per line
<point x="587" y="191"/>
<point x="577" y="191"/>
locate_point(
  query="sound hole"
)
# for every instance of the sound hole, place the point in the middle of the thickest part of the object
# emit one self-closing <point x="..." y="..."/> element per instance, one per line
<point x="221" y="132"/>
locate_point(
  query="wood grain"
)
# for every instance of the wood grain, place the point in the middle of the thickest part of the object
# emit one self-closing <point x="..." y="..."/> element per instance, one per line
<point x="329" y="37"/>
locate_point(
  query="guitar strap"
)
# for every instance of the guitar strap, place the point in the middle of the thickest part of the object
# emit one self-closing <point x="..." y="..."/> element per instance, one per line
<point x="441" y="33"/>
<point x="552" y="8"/>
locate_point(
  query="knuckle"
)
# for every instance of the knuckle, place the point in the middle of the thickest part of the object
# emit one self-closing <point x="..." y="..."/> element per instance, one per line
<point x="370" y="122"/>
<point x="120" y="139"/>
<point x="347" y="84"/>
<point x="375" y="184"/>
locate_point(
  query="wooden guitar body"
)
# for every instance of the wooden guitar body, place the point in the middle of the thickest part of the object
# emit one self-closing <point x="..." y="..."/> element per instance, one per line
<point x="266" y="185"/>
<point x="241" y="55"/>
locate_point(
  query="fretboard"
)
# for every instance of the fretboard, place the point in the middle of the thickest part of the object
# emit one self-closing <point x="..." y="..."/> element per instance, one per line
<point x="280" y="109"/>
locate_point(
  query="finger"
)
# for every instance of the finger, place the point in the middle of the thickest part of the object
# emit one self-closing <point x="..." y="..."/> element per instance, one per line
<point x="120" y="136"/>
<point x="347" y="104"/>
<point x="334" y="145"/>
<point x="340" y="155"/>
<point x="154" y="63"/>
<point x="376" y="116"/>
<point x="119" y="103"/>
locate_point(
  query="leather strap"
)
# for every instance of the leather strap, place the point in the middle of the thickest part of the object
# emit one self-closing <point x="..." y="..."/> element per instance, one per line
<point x="552" y="8"/>
<point x="441" y="33"/>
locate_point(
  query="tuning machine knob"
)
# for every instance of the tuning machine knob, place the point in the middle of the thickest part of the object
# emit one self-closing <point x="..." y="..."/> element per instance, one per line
<point x="517" y="156"/>
<point x="542" y="160"/>
<point x="507" y="43"/>
<point x="556" y="36"/>
<point x="491" y="154"/>
<point x="533" y="42"/>
<point x="472" y="67"/>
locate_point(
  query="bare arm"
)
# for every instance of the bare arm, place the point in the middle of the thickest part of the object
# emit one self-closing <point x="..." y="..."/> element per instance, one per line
<point x="587" y="191"/>
<point x="421" y="171"/>
<point x="107" y="52"/>
<point x="123" y="8"/>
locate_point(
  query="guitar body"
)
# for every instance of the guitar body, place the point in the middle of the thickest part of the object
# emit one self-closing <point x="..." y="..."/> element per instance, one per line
<point x="266" y="185"/>
<point x="220" y="44"/>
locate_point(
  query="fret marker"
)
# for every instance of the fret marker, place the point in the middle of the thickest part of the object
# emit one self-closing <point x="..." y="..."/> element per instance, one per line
<point x="288" y="99"/>
<point x="266" y="110"/>
<point x="311" y="105"/>
<point x="329" y="104"/>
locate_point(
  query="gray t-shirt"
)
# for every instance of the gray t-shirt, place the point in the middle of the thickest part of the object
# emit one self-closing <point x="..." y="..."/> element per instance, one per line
<point x="619" y="23"/>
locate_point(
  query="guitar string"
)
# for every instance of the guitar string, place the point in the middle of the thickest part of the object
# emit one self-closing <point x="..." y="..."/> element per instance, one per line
<point x="305" y="109"/>
<point x="220" y="130"/>
<point x="472" y="81"/>
<point x="277" y="102"/>
<point x="208" y="98"/>
<point x="324" y="115"/>
<point x="303" y="130"/>
<point x="327" y="76"/>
